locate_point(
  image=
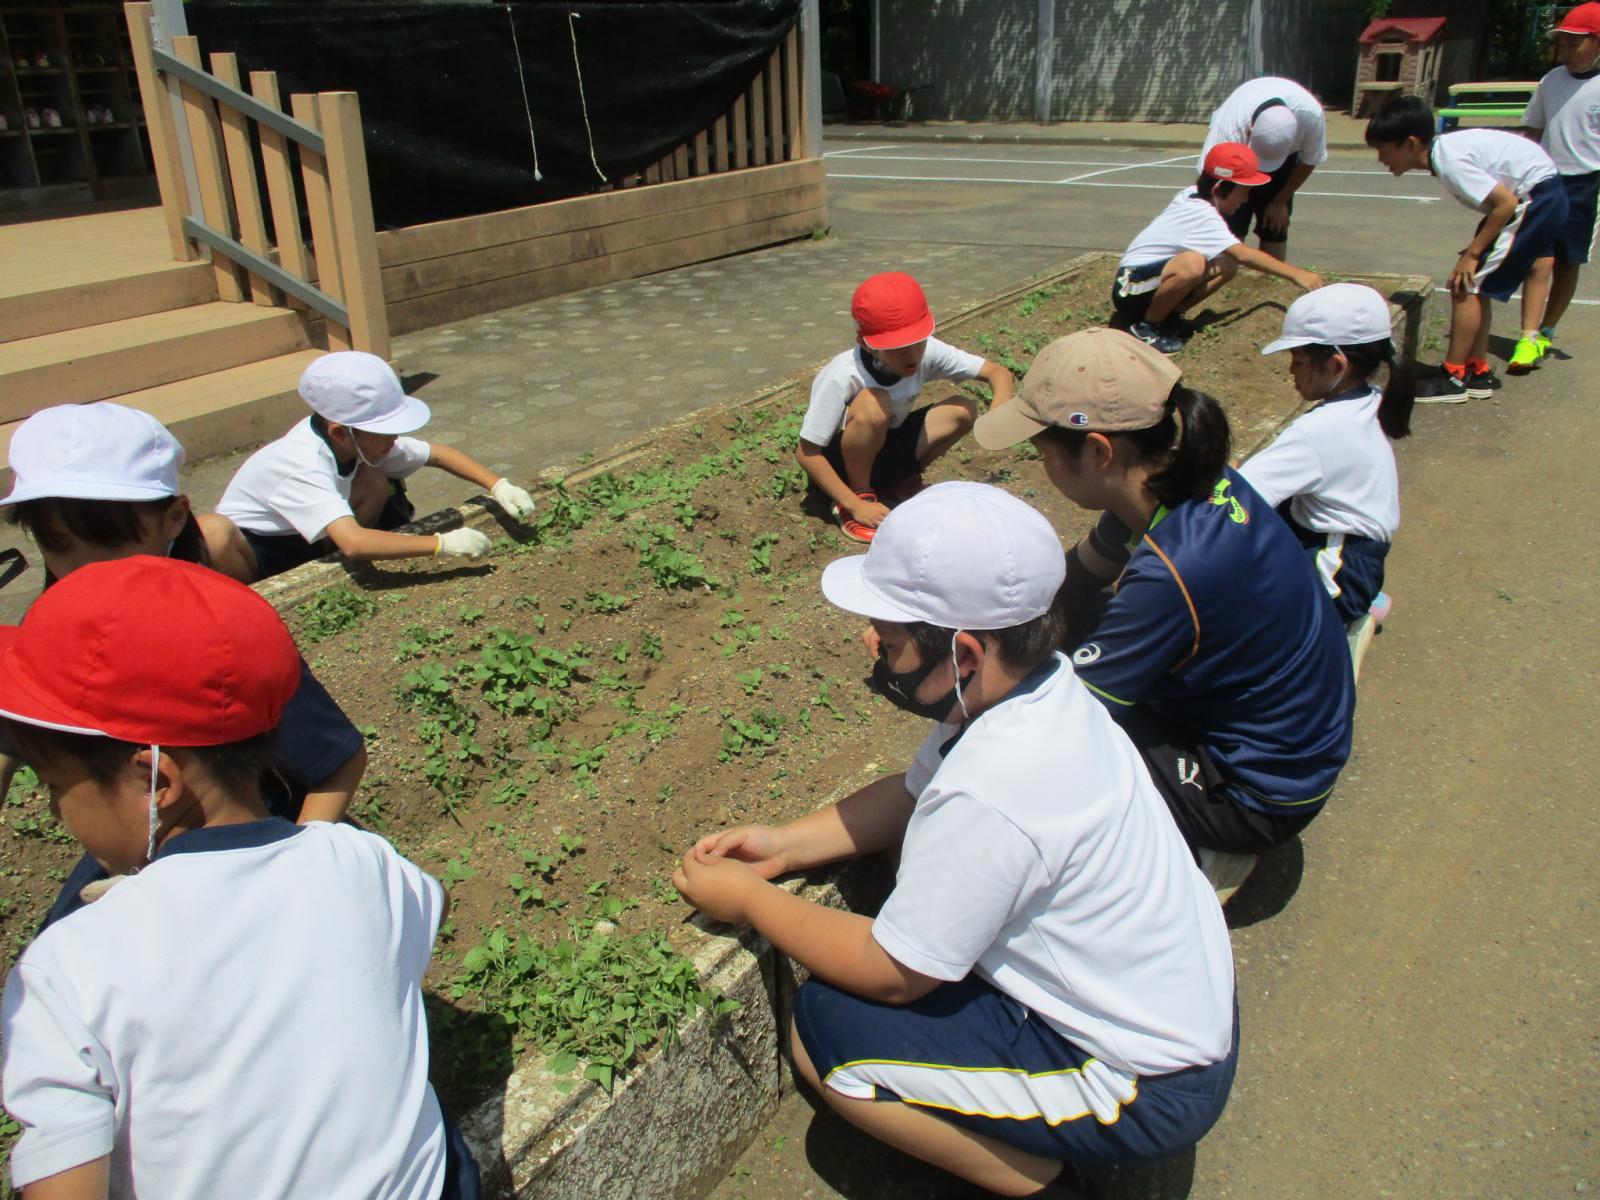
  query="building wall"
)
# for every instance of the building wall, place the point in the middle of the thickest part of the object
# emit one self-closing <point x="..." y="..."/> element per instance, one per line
<point x="1114" y="59"/>
<point x="972" y="59"/>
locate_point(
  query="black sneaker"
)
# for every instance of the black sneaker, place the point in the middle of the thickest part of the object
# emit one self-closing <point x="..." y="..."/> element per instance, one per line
<point x="1482" y="384"/>
<point x="1441" y="387"/>
<point x="1161" y="337"/>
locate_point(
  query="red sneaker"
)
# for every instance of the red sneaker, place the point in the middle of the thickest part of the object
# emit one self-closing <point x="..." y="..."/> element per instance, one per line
<point x="853" y="528"/>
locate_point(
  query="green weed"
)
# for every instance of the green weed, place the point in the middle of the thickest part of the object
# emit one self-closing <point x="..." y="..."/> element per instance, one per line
<point x="333" y="611"/>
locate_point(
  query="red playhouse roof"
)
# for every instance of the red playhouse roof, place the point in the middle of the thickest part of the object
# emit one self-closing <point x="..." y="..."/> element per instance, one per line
<point x="1416" y="29"/>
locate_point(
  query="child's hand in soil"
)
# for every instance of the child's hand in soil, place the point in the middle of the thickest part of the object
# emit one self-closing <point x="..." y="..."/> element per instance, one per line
<point x="869" y="512"/>
<point x="718" y="887"/>
<point x="758" y="846"/>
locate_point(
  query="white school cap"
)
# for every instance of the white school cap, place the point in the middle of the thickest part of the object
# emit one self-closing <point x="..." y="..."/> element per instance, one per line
<point x="354" y="388"/>
<point x="1274" y="134"/>
<point x="100" y="451"/>
<point x="1340" y="314"/>
<point x="960" y="555"/>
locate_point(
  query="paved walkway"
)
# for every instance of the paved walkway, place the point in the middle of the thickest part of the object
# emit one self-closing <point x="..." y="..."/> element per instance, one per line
<point x="537" y="386"/>
<point x="1344" y="132"/>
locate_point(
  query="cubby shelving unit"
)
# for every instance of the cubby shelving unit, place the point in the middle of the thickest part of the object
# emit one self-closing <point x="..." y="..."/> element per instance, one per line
<point x="74" y="129"/>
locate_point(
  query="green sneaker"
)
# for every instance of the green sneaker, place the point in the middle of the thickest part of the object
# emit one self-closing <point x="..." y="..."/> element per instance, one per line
<point x="1543" y="342"/>
<point x="1526" y="356"/>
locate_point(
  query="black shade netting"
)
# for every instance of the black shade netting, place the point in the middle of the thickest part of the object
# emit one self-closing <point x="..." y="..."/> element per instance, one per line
<point x="608" y="88"/>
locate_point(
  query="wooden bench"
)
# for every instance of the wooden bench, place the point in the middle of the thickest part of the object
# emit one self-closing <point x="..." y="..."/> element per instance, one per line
<point x="1500" y="101"/>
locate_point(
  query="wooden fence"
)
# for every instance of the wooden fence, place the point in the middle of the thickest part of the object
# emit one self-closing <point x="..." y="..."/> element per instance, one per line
<point x="335" y="274"/>
<point x="746" y="180"/>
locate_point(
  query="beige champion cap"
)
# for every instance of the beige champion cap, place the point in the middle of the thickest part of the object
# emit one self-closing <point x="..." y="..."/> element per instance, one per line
<point x="1095" y="380"/>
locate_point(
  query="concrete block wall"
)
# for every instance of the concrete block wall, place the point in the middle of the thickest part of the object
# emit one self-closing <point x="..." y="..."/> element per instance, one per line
<point x="1130" y="60"/>
<point x="1114" y="59"/>
<point x="972" y="59"/>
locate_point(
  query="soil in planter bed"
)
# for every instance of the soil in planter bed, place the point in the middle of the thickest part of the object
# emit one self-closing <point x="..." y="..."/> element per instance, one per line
<point x="653" y="662"/>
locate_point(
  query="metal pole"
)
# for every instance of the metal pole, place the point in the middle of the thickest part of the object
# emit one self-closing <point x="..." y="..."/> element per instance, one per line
<point x="1044" y="64"/>
<point x="811" y="76"/>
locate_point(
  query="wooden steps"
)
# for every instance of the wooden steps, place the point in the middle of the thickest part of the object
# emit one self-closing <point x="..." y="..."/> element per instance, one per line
<point x="218" y="412"/>
<point x="97" y="362"/>
<point x="94" y="308"/>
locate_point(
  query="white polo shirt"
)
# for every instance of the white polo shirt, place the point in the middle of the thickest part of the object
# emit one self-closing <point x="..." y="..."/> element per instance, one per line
<point x="1041" y="856"/>
<point x="293" y="485"/>
<point x="846" y="377"/>
<point x="1189" y="222"/>
<point x="1567" y="108"/>
<point x="1337" y="464"/>
<point x="1231" y="121"/>
<point x="1470" y="162"/>
<point x="241" y="1018"/>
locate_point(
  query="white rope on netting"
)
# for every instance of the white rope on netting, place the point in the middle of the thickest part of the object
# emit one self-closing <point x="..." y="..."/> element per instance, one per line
<point x="572" y="28"/>
<point x="522" y="79"/>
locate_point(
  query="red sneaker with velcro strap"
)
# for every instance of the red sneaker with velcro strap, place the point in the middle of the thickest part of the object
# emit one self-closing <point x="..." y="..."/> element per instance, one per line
<point x="853" y="528"/>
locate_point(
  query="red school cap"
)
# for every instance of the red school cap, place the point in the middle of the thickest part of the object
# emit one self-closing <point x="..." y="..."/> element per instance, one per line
<point x="891" y="311"/>
<point x="1583" y="20"/>
<point x="1236" y="163"/>
<point x="149" y="650"/>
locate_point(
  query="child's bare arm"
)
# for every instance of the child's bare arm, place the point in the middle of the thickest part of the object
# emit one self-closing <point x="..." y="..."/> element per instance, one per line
<point x="1502" y="203"/>
<point x="356" y="541"/>
<point x="461" y="465"/>
<point x="329" y="798"/>
<point x="87" y="1181"/>
<point x="815" y="464"/>
<point x="1001" y="383"/>
<point x="1247" y="256"/>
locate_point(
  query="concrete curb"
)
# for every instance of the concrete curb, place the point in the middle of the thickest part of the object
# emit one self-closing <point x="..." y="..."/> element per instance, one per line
<point x="679" y="1119"/>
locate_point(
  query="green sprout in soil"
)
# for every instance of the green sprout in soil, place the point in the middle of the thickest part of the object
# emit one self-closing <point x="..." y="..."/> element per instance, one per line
<point x="333" y="611"/>
<point x="594" y="997"/>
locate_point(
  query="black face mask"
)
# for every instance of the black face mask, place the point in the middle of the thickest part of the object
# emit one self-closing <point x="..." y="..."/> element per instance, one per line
<point x="899" y="688"/>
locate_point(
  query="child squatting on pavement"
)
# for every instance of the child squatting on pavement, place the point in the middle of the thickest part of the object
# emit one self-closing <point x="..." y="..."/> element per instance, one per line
<point x="1050" y="980"/>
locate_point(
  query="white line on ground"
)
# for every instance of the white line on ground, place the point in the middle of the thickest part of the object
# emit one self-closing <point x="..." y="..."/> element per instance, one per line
<point x="1021" y="162"/>
<point x="1517" y="295"/>
<point x="854" y="150"/>
<point x="1181" y="163"/>
<point x="1126" y="167"/>
<point x="1083" y="181"/>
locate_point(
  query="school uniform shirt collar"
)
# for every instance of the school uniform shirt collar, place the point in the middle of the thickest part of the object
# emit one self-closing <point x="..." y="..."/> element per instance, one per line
<point x="1028" y="684"/>
<point x="881" y="378"/>
<point x="320" y="428"/>
<point x="249" y="835"/>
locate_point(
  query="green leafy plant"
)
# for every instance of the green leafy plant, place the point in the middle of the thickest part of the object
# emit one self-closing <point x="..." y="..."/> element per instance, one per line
<point x="761" y="553"/>
<point x="593" y="997"/>
<point x="757" y="735"/>
<point x="333" y="611"/>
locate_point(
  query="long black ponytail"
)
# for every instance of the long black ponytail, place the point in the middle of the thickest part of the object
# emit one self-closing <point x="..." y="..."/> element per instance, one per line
<point x="1189" y="447"/>
<point x="1399" y="390"/>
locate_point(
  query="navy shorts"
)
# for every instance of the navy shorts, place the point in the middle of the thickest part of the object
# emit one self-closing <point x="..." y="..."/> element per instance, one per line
<point x="1530" y="235"/>
<point x="1576" y="239"/>
<point x="1349" y="565"/>
<point x="981" y="1060"/>
<point x="1133" y="287"/>
<point x="1255" y="204"/>
<point x="896" y="461"/>
<point x="279" y="552"/>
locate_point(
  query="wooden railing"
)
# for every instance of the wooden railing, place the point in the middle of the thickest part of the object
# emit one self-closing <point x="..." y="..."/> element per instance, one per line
<point x="336" y="275"/>
<point x="765" y="126"/>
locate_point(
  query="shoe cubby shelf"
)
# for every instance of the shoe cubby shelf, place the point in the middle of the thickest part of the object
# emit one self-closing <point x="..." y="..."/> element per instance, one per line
<point x="73" y="129"/>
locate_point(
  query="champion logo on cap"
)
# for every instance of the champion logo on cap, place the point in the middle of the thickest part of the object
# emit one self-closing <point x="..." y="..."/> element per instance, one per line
<point x="1078" y="420"/>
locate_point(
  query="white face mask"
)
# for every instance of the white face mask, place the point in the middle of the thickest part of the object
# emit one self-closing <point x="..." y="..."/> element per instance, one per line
<point x="955" y="666"/>
<point x="356" y="442"/>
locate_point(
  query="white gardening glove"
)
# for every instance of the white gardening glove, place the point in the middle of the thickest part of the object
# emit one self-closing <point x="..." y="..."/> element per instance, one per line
<point x="513" y="499"/>
<point x="463" y="543"/>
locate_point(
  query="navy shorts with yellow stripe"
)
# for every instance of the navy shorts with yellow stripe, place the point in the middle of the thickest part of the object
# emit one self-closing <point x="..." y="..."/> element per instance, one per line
<point x="974" y="1056"/>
